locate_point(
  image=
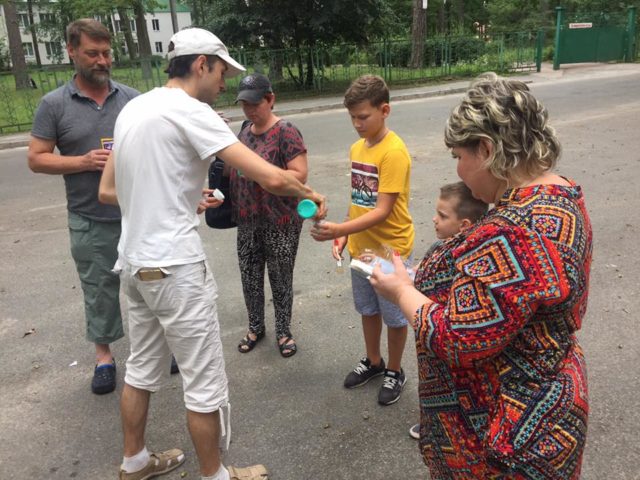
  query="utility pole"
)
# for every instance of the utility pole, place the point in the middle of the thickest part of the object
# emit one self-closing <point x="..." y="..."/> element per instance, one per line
<point x="174" y="15"/>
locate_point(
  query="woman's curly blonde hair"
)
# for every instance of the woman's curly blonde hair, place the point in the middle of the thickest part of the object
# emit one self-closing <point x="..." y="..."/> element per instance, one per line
<point x="505" y="113"/>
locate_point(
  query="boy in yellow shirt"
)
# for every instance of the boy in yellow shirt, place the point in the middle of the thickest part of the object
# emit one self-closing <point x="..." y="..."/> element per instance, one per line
<point x="378" y="218"/>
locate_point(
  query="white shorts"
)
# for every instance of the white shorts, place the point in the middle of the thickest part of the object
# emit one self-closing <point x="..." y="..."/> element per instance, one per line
<point x="176" y="314"/>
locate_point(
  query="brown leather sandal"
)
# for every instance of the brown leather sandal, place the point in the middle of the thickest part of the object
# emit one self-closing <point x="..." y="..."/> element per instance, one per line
<point x="254" y="472"/>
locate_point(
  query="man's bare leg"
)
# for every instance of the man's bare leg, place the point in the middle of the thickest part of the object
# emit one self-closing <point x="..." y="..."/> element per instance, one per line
<point x="205" y="434"/>
<point x="134" y="406"/>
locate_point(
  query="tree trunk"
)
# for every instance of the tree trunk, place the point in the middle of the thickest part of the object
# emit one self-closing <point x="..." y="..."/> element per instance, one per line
<point x="442" y="25"/>
<point x="143" y="40"/>
<point x="125" y="27"/>
<point x="196" y="18"/>
<point x="276" y="64"/>
<point x="418" y="35"/>
<point x="310" y="70"/>
<point x="460" y="10"/>
<point x="116" y="46"/>
<point x="18" y="63"/>
<point x="34" y="37"/>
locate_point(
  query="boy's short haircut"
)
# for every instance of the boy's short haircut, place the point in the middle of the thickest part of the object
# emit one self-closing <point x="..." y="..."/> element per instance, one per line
<point x="371" y="88"/>
<point x="467" y="205"/>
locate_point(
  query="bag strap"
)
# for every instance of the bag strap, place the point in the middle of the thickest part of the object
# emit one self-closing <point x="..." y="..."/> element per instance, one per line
<point x="216" y="168"/>
<point x="244" y="125"/>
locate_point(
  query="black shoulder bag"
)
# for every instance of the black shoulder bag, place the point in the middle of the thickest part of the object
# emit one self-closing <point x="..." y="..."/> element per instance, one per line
<point x="220" y="217"/>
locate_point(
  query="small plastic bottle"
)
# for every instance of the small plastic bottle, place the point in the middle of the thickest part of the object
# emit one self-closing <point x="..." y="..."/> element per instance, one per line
<point x="307" y="208"/>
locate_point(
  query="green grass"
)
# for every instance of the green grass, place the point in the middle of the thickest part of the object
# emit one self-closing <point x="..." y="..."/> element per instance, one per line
<point x="18" y="107"/>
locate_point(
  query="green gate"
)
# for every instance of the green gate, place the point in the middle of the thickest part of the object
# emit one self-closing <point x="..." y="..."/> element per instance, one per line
<point x="600" y="37"/>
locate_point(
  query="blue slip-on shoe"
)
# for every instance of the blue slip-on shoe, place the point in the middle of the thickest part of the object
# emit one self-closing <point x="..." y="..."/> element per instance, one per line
<point x="104" y="378"/>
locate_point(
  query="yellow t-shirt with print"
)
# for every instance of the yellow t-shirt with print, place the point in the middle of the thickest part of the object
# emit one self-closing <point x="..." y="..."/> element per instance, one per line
<point x="382" y="168"/>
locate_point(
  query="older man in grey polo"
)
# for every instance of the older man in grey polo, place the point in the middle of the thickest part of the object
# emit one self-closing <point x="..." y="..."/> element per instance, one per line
<point x="78" y="118"/>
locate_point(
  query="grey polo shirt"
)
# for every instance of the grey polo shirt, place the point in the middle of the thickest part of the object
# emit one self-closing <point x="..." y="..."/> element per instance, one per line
<point x="78" y="125"/>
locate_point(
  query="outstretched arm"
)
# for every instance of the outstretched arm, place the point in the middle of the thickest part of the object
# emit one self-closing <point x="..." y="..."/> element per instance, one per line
<point x="107" y="190"/>
<point x="271" y="178"/>
<point x="327" y="230"/>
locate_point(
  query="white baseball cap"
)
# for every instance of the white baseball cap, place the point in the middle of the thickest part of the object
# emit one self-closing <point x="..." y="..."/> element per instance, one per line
<point x="197" y="41"/>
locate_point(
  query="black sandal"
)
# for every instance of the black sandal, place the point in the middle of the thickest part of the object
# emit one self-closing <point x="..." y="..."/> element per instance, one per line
<point x="247" y="344"/>
<point x="287" y="349"/>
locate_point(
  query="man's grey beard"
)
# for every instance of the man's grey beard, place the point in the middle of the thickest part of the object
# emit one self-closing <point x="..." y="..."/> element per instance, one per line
<point x="98" y="78"/>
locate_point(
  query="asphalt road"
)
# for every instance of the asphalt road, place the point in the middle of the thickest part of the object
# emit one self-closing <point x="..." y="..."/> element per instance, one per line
<point x="293" y="415"/>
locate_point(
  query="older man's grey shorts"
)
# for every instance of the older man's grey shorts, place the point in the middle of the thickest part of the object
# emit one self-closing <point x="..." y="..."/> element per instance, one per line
<point x="94" y="248"/>
<point x="368" y="302"/>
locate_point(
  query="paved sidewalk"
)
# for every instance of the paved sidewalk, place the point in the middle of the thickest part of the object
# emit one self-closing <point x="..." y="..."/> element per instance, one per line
<point x="284" y="108"/>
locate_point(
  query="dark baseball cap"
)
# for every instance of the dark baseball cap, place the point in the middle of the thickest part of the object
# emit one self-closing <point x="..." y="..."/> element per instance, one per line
<point x="253" y="88"/>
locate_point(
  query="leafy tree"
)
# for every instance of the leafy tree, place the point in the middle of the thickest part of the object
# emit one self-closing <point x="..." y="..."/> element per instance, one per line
<point x="511" y="15"/>
<point x="297" y="24"/>
<point x="125" y="26"/>
<point x="418" y="34"/>
<point x="143" y="38"/>
<point x="18" y="64"/>
<point x="34" y="36"/>
<point x="4" y="56"/>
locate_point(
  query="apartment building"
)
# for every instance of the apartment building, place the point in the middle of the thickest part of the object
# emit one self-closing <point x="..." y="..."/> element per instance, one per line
<point x="51" y="52"/>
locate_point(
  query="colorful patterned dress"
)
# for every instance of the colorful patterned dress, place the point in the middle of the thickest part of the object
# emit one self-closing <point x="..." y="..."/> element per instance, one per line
<point x="503" y="388"/>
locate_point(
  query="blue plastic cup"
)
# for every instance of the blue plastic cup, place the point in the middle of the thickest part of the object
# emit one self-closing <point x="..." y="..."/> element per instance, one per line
<point x="307" y="208"/>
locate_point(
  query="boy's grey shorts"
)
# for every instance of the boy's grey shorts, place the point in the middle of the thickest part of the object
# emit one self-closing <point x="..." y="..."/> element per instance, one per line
<point x="368" y="302"/>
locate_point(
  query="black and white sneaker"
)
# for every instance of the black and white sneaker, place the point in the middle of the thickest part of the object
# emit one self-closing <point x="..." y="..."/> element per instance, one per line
<point x="391" y="387"/>
<point x="363" y="372"/>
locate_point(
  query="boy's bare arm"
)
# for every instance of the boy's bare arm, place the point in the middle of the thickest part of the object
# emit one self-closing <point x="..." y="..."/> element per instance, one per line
<point x="328" y="230"/>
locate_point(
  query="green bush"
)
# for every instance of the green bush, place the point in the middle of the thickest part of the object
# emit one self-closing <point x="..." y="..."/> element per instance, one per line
<point x="437" y="51"/>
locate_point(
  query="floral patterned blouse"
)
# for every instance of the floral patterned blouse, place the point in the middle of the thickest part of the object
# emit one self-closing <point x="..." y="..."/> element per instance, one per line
<point x="250" y="202"/>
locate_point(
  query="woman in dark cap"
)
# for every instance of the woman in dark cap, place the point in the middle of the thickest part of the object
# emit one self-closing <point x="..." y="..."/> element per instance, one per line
<point x="268" y="226"/>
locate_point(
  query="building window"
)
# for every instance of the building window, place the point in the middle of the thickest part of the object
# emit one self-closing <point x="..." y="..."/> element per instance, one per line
<point x="47" y="18"/>
<point x="28" y="49"/>
<point x="136" y="47"/>
<point x="158" y="47"/>
<point x="24" y="20"/>
<point x="155" y="24"/>
<point x="118" y="26"/>
<point x="54" y="49"/>
<point x="133" y="25"/>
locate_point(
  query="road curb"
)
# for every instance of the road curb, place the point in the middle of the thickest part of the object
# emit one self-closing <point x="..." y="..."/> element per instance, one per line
<point x="13" y="143"/>
<point x="23" y="140"/>
<point x="335" y="106"/>
<point x="5" y="145"/>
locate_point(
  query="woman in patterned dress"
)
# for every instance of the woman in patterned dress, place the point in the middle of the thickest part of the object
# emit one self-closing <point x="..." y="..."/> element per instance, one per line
<point x="268" y="226"/>
<point x="503" y="389"/>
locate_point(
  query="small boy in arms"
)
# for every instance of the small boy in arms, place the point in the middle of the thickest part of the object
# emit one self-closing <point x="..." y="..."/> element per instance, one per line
<point x="378" y="218"/>
<point x="456" y="210"/>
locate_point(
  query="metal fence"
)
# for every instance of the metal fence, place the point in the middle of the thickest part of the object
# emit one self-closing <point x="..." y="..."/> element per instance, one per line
<point x="307" y="72"/>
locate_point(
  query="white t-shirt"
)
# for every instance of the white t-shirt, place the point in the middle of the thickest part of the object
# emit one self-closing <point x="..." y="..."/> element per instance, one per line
<point x="163" y="143"/>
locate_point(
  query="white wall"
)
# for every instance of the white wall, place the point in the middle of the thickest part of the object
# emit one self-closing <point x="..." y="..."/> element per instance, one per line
<point x="162" y="35"/>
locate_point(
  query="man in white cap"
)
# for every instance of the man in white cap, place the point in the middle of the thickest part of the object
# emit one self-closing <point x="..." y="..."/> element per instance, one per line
<point x="163" y="144"/>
